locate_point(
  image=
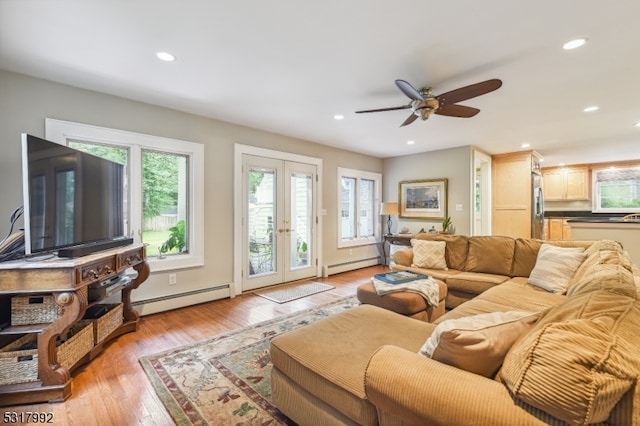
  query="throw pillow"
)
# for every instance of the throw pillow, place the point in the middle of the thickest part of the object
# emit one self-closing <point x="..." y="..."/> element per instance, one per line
<point x="429" y="254"/>
<point x="555" y="266"/>
<point x="575" y="370"/>
<point x="477" y="343"/>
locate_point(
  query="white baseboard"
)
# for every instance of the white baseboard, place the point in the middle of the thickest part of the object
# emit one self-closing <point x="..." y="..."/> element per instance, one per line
<point x="181" y="300"/>
<point x="349" y="266"/>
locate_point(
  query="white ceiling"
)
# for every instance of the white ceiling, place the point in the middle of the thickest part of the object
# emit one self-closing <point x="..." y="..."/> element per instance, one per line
<point x="288" y="66"/>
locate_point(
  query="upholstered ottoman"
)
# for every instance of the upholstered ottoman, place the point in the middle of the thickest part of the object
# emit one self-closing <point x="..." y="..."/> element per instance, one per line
<point x="404" y="302"/>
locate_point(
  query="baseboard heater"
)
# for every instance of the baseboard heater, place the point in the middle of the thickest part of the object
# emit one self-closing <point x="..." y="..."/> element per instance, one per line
<point x="181" y="300"/>
<point x="349" y="266"/>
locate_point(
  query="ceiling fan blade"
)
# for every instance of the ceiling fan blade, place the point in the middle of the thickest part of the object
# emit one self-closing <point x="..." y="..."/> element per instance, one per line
<point x="409" y="120"/>
<point x="469" y="92"/>
<point x="384" y="109"/>
<point x="457" y="111"/>
<point x="409" y="90"/>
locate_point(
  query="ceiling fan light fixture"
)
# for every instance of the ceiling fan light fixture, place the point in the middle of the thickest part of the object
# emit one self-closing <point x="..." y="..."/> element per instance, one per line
<point x="574" y="44"/>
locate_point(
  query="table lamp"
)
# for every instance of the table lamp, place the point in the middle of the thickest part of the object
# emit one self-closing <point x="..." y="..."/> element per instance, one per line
<point x="389" y="209"/>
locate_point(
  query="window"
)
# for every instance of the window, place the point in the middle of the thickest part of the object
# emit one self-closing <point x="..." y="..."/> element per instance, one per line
<point x="358" y="198"/>
<point x="163" y="185"/>
<point x="616" y="189"/>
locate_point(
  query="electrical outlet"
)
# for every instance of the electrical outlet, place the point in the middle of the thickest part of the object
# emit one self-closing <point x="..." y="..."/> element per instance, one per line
<point x="458" y="207"/>
<point x="172" y="279"/>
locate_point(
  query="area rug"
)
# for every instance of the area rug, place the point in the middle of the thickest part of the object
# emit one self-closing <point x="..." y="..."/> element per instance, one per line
<point x="289" y="292"/>
<point x="225" y="380"/>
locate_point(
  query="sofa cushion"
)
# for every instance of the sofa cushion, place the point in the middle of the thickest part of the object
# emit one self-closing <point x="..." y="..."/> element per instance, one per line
<point x="524" y="256"/>
<point x="614" y="278"/>
<point x="555" y="266"/>
<point x="428" y="254"/>
<point x="526" y="253"/>
<point x="492" y="255"/>
<point x="456" y="251"/>
<point x="477" y="343"/>
<point x="474" y="282"/>
<point x="601" y="252"/>
<point x="578" y="361"/>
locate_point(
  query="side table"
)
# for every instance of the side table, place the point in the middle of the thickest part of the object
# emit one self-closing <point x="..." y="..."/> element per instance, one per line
<point x="398" y="239"/>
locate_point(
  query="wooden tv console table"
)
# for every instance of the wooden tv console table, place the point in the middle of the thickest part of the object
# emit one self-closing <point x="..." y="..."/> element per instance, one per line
<point x="68" y="282"/>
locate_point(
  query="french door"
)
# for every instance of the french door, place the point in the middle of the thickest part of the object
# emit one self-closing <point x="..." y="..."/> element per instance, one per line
<point x="279" y="221"/>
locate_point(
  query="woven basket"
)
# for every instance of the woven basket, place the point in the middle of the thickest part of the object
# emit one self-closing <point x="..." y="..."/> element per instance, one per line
<point x="34" y="309"/>
<point x="108" y="322"/>
<point x="78" y="343"/>
<point x="19" y="366"/>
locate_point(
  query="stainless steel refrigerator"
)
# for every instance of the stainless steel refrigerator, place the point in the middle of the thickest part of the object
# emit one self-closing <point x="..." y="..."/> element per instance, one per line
<point x="537" y="206"/>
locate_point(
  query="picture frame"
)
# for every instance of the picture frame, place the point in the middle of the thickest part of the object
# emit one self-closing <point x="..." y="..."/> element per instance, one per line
<point x="423" y="199"/>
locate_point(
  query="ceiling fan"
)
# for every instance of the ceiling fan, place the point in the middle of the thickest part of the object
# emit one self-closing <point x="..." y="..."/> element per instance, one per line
<point x="423" y="103"/>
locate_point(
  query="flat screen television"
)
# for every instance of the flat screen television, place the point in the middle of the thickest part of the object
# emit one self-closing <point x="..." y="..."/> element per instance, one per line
<point x="73" y="201"/>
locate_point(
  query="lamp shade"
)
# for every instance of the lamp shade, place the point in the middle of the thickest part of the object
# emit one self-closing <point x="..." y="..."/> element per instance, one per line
<point x="389" y="208"/>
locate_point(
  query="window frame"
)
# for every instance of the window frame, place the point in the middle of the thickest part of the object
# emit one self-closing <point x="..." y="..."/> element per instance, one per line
<point x="60" y="131"/>
<point x="359" y="175"/>
<point x="596" y="202"/>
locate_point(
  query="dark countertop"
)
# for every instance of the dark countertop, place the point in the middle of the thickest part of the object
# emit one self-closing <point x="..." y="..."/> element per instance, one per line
<point x="601" y="220"/>
<point x="582" y="215"/>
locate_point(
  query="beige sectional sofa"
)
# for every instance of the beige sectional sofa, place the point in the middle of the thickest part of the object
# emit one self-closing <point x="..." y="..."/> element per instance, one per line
<point x="575" y="362"/>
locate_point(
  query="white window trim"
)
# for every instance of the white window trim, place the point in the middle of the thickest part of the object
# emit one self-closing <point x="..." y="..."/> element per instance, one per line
<point x="61" y="131"/>
<point x="359" y="174"/>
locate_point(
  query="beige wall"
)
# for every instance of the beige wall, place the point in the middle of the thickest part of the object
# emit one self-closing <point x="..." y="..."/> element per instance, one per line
<point x="454" y="164"/>
<point x="25" y="102"/>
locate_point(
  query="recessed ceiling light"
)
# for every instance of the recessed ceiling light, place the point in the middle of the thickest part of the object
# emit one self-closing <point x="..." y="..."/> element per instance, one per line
<point x="410" y="142"/>
<point x="591" y="108"/>
<point x="165" y="56"/>
<point x="573" y="44"/>
<point x="525" y="145"/>
<point x="637" y="124"/>
<point x="338" y="117"/>
<point x="561" y="164"/>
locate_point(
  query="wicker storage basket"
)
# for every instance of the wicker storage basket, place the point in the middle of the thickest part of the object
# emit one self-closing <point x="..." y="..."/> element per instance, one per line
<point x="34" y="309"/>
<point x="108" y="322"/>
<point x="76" y="344"/>
<point x="19" y="365"/>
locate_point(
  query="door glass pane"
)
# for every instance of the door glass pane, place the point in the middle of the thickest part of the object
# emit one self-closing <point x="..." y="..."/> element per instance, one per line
<point x="301" y="220"/>
<point x="348" y="207"/>
<point x="261" y="204"/>
<point x="367" y="196"/>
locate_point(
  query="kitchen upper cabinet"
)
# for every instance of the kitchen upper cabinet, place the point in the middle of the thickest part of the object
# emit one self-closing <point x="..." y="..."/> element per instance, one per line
<point x="566" y="183"/>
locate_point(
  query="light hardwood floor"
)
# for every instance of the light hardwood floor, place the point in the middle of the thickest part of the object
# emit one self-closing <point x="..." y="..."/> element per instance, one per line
<point x="114" y="390"/>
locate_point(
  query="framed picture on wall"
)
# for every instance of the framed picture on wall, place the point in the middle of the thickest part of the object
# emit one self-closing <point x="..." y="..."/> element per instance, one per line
<point x="423" y="199"/>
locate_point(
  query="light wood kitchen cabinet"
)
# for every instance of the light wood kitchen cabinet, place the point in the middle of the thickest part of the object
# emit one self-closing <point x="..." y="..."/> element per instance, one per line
<point x="512" y="193"/>
<point x="558" y="229"/>
<point x="566" y="183"/>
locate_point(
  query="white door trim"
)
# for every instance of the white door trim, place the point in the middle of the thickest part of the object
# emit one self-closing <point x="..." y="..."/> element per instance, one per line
<point x="239" y="151"/>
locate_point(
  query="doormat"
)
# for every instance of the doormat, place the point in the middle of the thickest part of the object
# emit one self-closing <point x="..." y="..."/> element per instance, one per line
<point x="291" y="292"/>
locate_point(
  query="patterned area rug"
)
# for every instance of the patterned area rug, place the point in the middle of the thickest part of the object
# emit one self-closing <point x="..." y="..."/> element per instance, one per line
<point x="287" y="293"/>
<point x="225" y="380"/>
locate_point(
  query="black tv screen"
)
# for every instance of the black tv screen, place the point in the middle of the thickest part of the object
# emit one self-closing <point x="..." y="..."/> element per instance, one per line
<point x="71" y="198"/>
